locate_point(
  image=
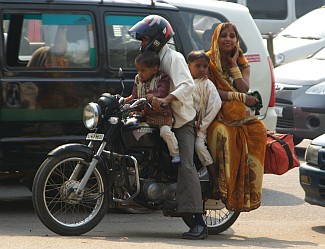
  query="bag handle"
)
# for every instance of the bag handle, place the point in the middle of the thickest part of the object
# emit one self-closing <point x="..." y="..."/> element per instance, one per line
<point x="285" y="147"/>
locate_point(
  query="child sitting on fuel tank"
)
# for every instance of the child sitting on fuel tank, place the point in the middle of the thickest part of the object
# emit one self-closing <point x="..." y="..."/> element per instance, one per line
<point x="151" y="83"/>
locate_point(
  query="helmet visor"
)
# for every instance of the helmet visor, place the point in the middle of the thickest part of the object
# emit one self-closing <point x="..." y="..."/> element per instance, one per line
<point x="138" y="31"/>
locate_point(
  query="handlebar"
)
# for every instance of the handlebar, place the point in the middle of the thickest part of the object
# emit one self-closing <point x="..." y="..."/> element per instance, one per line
<point x="165" y="106"/>
<point x="136" y="105"/>
<point x="138" y="102"/>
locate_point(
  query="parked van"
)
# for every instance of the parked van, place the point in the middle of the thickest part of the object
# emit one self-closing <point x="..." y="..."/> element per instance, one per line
<point x="273" y="16"/>
<point x="44" y="87"/>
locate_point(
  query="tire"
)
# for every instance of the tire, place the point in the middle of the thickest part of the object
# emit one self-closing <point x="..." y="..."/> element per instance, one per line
<point x="216" y="216"/>
<point x="52" y="195"/>
<point x="297" y="140"/>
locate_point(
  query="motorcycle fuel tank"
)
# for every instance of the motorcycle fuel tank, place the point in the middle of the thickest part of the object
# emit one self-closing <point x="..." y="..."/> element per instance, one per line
<point x="141" y="136"/>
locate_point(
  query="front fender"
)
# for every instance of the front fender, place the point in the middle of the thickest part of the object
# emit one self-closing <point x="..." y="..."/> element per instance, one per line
<point x="73" y="147"/>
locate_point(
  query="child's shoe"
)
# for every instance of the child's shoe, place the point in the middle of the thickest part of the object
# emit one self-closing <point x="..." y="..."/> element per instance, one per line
<point x="176" y="159"/>
<point x="176" y="162"/>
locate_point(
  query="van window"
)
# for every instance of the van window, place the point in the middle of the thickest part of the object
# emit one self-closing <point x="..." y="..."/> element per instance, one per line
<point x="201" y="28"/>
<point x="50" y="40"/>
<point x="122" y="48"/>
<point x="266" y="9"/>
<point x="303" y="8"/>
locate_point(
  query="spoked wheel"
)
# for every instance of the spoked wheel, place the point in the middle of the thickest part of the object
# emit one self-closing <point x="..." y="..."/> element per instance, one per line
<point x="55" y="201"/>
<point x="217" y="217"/>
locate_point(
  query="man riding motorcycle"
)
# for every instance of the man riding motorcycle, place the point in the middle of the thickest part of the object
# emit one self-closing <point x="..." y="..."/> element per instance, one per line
<point x="154" y="32"/>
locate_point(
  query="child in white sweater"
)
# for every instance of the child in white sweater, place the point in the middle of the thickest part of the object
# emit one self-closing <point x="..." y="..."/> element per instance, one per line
<point x="207" y="103"/>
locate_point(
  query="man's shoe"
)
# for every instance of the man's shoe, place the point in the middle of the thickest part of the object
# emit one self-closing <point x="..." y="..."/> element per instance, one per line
<point x="197" y="232"/>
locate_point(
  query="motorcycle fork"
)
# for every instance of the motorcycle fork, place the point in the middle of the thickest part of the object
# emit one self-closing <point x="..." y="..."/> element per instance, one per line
<point x="89" y="171"/>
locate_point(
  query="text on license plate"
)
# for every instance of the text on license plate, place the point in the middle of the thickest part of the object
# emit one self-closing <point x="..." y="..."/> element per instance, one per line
<point x="95" y="136"/>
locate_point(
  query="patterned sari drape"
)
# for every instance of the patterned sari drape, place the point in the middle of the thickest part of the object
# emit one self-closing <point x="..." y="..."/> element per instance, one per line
<point x="236" y="141"/>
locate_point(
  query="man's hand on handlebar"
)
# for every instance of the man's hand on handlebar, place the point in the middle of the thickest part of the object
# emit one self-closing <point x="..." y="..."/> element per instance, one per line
<point x="157" y="103"/>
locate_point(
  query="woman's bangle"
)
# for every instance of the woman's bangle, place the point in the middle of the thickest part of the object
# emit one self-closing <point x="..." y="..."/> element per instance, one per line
<point x="230" y="96"/>
<point x="235" y="73"/>
<point x="237" y="96"/>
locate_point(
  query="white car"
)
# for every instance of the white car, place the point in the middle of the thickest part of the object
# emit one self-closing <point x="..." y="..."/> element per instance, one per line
<point x="301" y="38"/>
<point x="300" y="97"/>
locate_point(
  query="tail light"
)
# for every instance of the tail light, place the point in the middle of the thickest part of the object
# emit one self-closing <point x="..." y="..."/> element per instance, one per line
<point x="272" y="98"/>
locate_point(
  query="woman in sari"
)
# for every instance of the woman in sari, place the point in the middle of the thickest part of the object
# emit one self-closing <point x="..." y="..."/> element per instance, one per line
<point x="237" y="138"/>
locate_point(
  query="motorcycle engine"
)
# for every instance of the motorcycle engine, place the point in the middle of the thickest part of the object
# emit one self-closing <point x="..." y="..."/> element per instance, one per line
<point x="158" y="191"/>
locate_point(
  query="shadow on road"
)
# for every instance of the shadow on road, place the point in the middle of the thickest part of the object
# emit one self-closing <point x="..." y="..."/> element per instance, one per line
<point x="319" y="229"/>
<point x="276" y="198"/>
<point x="300" y="151"/>
<point x="262" y="242"/>
<point x="220" y="241"/>
<point x="16" y="205"/>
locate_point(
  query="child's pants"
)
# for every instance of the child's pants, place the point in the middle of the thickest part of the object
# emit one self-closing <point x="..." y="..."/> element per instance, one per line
<point x="202" y="150"/>
<point x="170" y="139"/>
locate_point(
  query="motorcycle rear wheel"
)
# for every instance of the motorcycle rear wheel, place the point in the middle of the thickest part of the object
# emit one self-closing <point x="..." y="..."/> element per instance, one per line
<point x="217" y="218"/>
<point x="52" y="195"/>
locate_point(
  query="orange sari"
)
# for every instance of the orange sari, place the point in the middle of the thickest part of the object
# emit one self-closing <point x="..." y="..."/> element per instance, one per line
<point x="236" y="141"/>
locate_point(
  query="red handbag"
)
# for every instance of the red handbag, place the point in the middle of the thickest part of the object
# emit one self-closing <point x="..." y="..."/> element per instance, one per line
<point x="280" y="155"/>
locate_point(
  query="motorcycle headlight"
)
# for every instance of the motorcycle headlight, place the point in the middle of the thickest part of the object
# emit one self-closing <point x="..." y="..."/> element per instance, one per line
<point x="91" y="116"/>
<point x="318" y="89"/>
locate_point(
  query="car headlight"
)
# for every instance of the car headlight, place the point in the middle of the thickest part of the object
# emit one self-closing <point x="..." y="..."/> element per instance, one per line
<point x="317" y="89"/>
<point x="91" y="115"/>
<point x="279" y="58"/>
<point x="315" y="155"/>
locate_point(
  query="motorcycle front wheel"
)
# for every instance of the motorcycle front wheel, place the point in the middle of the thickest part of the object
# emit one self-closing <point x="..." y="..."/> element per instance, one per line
<point x="217" y="218"/>
<point x="55" y="203"/>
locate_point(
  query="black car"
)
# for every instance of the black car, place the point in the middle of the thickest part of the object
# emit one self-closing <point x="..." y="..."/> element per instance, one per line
<point x="312" y="172"/>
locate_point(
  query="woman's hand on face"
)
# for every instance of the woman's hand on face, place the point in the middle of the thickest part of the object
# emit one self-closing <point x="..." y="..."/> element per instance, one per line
<point x="251" y="100"/>
<point x="233" y="56"/>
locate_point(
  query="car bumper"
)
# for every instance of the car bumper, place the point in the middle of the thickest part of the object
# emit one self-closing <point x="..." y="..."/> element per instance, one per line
<point x="312" y="180"/>
<point x="301" y="123"/>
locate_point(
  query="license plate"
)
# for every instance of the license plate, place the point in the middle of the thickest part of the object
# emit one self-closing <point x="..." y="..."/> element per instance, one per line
<point x="278" y="111"/>
<point x="95" y="136"/>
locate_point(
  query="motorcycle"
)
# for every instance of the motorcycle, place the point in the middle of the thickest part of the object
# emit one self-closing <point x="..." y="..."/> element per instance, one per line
<point x="125" y="164"/>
